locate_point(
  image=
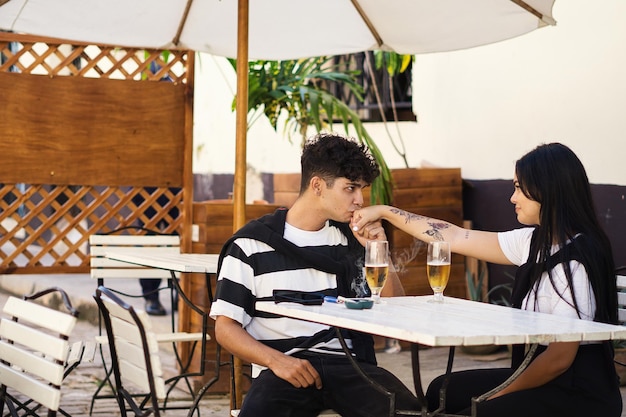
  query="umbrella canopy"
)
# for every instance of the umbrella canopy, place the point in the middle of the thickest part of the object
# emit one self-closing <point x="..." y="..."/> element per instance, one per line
<point x="281" y="29"/>
<point x="277" y="30"/>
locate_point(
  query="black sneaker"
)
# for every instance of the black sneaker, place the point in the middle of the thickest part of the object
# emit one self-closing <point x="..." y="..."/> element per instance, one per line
<point x="155" y="308"/>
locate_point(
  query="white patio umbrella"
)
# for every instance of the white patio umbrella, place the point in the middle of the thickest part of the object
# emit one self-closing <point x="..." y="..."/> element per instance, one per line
<point x="281" y="29"/>
<point x="277" y="30"/>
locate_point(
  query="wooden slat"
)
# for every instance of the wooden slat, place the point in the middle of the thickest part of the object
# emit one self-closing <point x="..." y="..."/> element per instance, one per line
<point x="45" y="343"/>
<point x="42" y="393"/>
<point x="135" y="240"/>
<point x="426" y="177"/>
<point x="175" y="337"/>
<point x="180" y="337"/>
<point x="133" y="353"/>
<point x="621" y="282"/>
<point x="139" y="377"/>
<point x="130" y="332"/>
<point x="105" y="268"/>
<point x="75" y="353"/>
<point x="32" y="363"/>
<point x="39" y="315"/>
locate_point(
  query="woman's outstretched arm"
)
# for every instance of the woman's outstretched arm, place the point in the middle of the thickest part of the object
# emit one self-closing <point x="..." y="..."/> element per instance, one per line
<point x="474" y="243"/>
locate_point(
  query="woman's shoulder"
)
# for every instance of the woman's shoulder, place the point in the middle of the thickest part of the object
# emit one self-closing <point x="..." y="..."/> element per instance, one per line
<point x="516" y="244"/>
<point x="520" y="235"/>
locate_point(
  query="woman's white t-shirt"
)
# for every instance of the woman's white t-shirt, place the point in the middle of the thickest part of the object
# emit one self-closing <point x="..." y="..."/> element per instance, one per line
<point x="516" y="247"/>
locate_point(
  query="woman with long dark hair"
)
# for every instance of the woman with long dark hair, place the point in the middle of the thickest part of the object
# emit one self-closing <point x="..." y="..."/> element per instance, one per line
<point x="566" y="268"/>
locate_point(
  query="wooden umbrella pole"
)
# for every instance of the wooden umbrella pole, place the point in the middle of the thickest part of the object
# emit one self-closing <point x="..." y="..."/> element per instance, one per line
<point x="239" y="187"/>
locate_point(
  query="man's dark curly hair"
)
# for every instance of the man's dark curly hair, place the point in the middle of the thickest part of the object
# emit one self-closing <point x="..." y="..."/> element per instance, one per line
<point x="330" y="156"/>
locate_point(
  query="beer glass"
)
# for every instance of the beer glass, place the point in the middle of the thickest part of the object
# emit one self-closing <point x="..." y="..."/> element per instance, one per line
<point x="438" y="268"/>
<point x="376" y="266"/>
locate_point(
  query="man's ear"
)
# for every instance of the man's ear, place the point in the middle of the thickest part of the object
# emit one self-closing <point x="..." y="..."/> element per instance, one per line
<point x="316" y="185"/>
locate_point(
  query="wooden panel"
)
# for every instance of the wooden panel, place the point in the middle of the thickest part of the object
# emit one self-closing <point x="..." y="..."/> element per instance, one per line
<point x="287" y="182"/>
<point x="426" y="177"/>
<point x="415" y="282"/>
<point x="73" y="130"/>
<point x="427" y="197"/>
<point x="286" y="189"/>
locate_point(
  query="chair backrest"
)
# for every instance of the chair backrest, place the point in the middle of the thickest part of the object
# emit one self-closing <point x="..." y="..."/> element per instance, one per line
<point x="621" y="295"/>
<point x="105" y="268"/>
<point x="34" y="347"/>
<point x="134" y="352"/>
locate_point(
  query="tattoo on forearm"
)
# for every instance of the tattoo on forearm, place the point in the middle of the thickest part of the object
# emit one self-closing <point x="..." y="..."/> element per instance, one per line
<point x="435" y="228"/>
<point x="467" y="233"/>
<point x="408" y="217"/>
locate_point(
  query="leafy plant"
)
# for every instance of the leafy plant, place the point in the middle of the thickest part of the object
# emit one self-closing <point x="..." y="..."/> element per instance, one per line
<point x="295" y="88"/>
<point x="394" y="64"/>
<point x="505" y="290"/>
<point x="475" y="287"/>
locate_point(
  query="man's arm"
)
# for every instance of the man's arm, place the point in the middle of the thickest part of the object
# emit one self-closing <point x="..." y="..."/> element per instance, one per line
<point x="298" y="372"/>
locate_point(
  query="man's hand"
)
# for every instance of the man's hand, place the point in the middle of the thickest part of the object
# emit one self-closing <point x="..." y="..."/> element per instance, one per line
<point x="298" y="372"/>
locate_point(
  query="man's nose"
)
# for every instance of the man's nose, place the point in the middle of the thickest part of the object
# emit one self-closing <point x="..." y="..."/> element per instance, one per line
<point x="358" y="198"/>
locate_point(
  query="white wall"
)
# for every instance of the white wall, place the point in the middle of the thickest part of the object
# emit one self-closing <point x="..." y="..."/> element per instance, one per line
<point x="478" y="109"/>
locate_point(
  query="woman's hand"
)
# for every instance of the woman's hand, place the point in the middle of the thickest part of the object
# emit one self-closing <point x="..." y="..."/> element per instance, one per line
<point x="366" y="223"/>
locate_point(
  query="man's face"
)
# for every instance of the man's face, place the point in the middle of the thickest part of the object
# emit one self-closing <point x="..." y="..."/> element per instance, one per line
<point x="341" y="197"/>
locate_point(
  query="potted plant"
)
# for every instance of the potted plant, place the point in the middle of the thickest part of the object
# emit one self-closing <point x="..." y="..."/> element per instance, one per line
<point x="297" y="89"/>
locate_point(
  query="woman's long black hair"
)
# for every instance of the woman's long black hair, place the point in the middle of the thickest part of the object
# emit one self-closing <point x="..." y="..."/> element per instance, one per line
<point x="553" y="176"/>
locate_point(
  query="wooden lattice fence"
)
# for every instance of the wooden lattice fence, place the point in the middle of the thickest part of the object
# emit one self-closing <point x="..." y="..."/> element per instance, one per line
<point x="93" y="138"/>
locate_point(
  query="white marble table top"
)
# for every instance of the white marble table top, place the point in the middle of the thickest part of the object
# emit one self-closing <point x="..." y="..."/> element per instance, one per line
<point x="456" y="322"/>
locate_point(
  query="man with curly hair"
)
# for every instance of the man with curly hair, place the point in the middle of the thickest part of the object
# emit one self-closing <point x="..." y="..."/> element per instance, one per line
<point x="299" y="368"/>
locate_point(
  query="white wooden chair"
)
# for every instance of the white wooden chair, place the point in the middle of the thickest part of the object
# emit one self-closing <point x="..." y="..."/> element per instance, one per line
<point x="621" y="295"/>
<point x="134" y="353"/>
<point x="105" y="269"/>
<point x="621" y="309"/>
<point x="35" y="354"/>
